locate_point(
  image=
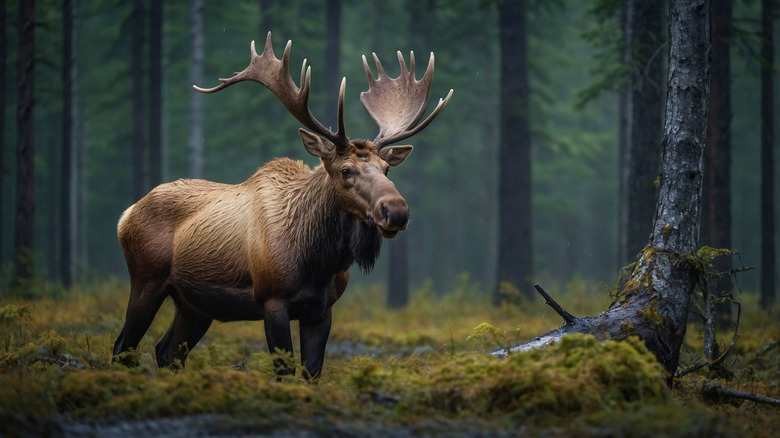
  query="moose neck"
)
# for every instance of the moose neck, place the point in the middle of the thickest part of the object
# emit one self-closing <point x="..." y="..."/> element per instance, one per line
<point x="328" y="237"/>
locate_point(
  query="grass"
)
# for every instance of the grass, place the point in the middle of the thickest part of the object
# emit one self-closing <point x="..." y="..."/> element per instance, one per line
<point x="419" y="370"/>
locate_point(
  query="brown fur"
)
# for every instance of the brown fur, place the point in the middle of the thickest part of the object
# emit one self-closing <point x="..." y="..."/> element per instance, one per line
<point x="276" y="247"/>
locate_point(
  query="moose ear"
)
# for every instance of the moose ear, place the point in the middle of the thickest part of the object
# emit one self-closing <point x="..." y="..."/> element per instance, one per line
<point x="395" y="155"/>
<point x="316" y="145"/>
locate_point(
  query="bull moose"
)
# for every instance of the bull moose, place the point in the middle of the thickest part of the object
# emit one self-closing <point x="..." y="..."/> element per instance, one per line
<point x="276" y="247"/>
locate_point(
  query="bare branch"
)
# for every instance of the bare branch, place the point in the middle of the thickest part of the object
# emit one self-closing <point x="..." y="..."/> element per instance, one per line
<point x="568" y="317"/>
<point x="716" y="392"/>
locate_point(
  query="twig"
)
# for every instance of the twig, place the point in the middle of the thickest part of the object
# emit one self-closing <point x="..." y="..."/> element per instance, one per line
<point x="766" y="348"/>
<point x="568" y="317"/>
<point x="716" y="392"/>
<point x="710" y="345"/>
<point x="720" y="358"/>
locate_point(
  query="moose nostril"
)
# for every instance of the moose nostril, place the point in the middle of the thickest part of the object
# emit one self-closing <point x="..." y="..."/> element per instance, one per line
<point x="385" y="213"/>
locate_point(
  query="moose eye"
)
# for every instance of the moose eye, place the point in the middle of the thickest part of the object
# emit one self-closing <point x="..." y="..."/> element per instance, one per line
<point x="346" y="173"/>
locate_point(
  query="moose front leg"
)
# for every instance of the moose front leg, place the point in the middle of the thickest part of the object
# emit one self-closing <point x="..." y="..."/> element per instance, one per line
<point x="277" y="333"/>
<point x="314" y="336"/>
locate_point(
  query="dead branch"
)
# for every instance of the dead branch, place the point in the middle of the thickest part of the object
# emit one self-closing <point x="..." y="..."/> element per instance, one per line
<point x="715" y="392"/>
<point x="767" y="348"/>
<point x="572" y="324"/>
<point x="568" y="317"/>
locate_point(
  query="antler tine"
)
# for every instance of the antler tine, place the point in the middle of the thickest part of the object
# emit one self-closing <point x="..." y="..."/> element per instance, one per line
<point x="340" y="117"/>
<point x="274" y="74"/>
<point x="397" y="105"/>
<point x="369" y="75"/>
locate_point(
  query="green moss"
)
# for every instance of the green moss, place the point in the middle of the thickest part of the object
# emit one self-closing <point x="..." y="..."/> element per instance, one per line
<point x="650" y="314"/>
<point x="580" y="384"/>
<point x="708" y="254"/>
<point x="221" y="390"/>
<point x="580" y="374"/>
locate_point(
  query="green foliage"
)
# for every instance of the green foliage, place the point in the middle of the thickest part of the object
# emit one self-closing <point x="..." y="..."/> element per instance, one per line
<point x="490" y="335"/>
<point x="606" y="36"/>
<point x="12" y="318"/>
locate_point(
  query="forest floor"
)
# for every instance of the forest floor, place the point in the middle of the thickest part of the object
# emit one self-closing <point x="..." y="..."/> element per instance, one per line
<point x="416" y="371"/>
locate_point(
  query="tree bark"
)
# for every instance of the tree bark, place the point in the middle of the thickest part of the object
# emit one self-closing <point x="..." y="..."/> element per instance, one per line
<point x="643" y="41"/>
<point x="195" y="162"/>
<point x="66" y="175"/>
<point x="25" y="147"/>
<point x="768" y="264"/>
<point x="514" y="184"/>
<point x="654" y="302"/>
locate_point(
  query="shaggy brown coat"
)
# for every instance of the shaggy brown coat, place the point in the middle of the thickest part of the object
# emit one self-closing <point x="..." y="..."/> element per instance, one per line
<point x="276" y="247"/>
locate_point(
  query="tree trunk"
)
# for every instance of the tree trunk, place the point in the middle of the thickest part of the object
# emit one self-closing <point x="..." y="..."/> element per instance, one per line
<point x="398" y="274"/>
<point x="66" y="175"/>
<point x="25" y="150"/>
<point x="266" y="17"/>
<point x="52" y="230"/>
<point x="136" y="68"/>
<point x="623" y="257"/>
<point x="643" y="39"/>
<point x="195" y="164"/>
<point x="398" y="249"/>
<point x="491" y="234"/>
<point x="654" y="302"/>
<point x="767" y="160"/>
<point x="514" y="184"/>
<point x="716" y="197"/>
<point x="422" y="22"/>
<point x="332" y="58"/>
<point x="3" y="55"/>
<point x="155" y="92"/>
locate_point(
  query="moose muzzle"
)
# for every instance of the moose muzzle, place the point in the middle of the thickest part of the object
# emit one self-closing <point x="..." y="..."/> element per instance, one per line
<point x="391" y="215"/>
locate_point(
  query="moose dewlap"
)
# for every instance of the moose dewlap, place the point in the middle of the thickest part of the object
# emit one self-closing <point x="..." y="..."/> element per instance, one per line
<point x="278" y="246"/>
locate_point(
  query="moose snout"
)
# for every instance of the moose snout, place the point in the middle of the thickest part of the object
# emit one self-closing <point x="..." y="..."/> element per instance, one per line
<point x="393" y="214"/>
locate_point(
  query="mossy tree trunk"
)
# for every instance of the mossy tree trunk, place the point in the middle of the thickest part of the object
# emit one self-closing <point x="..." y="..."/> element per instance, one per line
<point x="654" y="301"/>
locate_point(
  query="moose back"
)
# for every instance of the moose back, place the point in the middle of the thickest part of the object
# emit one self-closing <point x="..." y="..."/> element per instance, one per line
<point x="278" y="246"/>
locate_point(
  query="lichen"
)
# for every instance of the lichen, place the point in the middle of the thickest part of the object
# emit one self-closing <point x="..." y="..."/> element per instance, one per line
<point x="652" y="317"/>
<point x="628" y="328"/>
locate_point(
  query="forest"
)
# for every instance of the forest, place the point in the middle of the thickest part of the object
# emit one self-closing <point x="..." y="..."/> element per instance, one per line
<point x="546" y="169"/>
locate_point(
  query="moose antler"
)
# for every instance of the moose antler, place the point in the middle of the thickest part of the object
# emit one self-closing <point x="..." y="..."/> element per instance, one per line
<point x="397" y="105"/>
<point x="275" y="75"/>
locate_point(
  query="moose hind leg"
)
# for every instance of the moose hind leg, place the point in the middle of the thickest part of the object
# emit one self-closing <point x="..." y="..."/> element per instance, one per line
<point x="141" y="309"/>
<point x="187" y="328"/>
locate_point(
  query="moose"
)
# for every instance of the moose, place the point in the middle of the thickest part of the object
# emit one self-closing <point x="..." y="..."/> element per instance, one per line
<point x="278" y="246"/>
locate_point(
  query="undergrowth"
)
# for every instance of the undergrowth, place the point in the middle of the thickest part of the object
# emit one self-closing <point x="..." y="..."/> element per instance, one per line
<point x="424" y="364"/>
